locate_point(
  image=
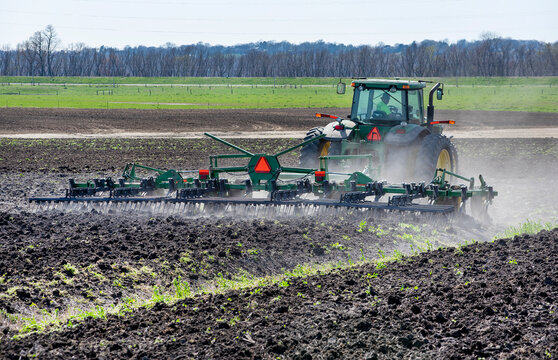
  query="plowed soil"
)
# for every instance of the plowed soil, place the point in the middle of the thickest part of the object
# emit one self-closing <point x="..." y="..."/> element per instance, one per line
<point x="491" y="300"/>
<point x="482" y="300"/>
<point x="98" y="121"/>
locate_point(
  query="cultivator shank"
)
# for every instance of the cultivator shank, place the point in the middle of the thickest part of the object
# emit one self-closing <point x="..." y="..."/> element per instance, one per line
<point x="268" y="189"/>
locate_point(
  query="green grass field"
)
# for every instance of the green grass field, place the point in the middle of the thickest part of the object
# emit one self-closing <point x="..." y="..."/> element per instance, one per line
<point x="494" y="94"/>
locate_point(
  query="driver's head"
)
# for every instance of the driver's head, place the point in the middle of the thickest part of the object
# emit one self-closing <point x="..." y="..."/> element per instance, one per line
<point x="385" y="98"/>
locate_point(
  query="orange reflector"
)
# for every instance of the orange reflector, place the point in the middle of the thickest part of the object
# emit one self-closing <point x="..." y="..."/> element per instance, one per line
<point x="353" y="84"/>
<point x="203" y="173"/>
<point x="318" y="115"/>
<point x="405" y="86"/>
<point x="262" y="166"/>
<point x="374" y="135"/>
<point x="451" y="122"/>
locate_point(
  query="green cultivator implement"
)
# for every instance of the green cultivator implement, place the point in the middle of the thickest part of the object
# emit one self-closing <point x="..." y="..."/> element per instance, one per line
<point x="263" y="186"/>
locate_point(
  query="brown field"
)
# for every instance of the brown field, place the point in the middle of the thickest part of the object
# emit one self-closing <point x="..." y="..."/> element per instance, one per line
<point x="484" y="300"/>
<point x="15" y="121"/>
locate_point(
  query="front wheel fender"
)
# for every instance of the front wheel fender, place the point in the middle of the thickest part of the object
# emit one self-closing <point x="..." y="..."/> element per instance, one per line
<point x="331" y="134"/>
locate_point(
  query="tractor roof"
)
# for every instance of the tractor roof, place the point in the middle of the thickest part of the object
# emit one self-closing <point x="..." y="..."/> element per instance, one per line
<point x="386" y="84"/>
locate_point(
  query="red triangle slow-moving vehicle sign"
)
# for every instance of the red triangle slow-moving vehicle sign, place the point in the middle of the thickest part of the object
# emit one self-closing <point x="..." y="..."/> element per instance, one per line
<point x="374" y="135"/>
<point x="262" y="166"/>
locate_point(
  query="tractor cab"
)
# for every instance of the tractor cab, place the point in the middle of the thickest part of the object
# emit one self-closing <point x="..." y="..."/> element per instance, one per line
<point x="387" y="102"/>
<point x="390" y="127"/>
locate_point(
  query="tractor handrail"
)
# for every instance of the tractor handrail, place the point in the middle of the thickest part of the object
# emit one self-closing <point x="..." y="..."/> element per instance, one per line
<point x="430" y="107"/>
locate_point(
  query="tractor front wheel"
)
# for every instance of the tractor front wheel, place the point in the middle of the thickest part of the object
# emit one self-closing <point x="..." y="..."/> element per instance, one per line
<point x="436" y="152"/>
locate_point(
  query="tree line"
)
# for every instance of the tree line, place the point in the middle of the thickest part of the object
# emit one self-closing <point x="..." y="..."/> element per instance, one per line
<point x="489" y="56"/>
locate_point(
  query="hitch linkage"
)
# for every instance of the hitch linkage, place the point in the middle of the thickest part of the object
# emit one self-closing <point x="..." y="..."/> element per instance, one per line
<point x="302" y="187"/>
<point x="375" y="188"/>
<point x="412" y="191"/>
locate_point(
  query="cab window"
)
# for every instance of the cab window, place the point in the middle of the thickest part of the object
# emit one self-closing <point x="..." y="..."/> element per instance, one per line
<point x="414" y="109"/>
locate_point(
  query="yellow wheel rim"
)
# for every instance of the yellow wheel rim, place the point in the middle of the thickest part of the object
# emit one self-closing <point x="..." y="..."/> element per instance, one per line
<point x="444" y="161"/>
<point x="325" y="148"/>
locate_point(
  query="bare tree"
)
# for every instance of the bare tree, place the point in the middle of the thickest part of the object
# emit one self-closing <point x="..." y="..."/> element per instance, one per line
<point x="51" y="42"/>
<point x="37" y="45"/>
<point x="5" y="59"/>
<point x="489" y="56"/>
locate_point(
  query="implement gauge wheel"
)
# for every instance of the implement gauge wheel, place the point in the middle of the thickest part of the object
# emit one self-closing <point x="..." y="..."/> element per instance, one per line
<point x="435" y="152"/>
<point x="310" y="153"/>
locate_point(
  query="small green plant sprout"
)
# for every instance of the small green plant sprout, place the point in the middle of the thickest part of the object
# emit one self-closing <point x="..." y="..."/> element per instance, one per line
<point x="70" y="269"/>
<point x="397" y="255"/>
<point x="338" y="246"/>
<point x="377" y="230"/>
<point x="127" y="306"/>
<point x="409" y="226"/>
<point x="182" y="288"/>
<point x="306" y="237"/>
<point x="361" y="226"/>
<point x="380" y="264"/>
<point x="157" y="295"/>
<point x="185" y="257"/>
<point x="253" y="251"/>
<point x="406" y="237"/>
<point x="513" y="262"/>
<point x="256" y="291"/>
<point x="362" y="257"/>
<point x="234" y="320"/>
<point x="429" y="245"/>
<point x="529" y="227"/>
<point x="346" y="237"/>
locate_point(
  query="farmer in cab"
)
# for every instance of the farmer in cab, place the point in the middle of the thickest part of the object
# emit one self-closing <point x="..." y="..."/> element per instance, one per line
<point x="382" y="105"/>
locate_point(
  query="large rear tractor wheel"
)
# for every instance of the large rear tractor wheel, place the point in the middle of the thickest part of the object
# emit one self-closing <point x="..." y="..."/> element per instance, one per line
<point x="435" y="152"/>
<point x="310" y="153"/>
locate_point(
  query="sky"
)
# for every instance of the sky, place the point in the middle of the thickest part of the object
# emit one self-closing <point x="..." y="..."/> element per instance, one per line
<point x="120" y="23"/>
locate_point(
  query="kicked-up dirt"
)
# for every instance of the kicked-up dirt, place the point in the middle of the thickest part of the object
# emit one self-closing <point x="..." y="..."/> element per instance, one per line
<point x="522" y="170"/>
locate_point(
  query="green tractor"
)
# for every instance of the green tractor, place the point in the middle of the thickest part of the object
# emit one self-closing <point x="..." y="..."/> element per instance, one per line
<point x="387" y="122"/>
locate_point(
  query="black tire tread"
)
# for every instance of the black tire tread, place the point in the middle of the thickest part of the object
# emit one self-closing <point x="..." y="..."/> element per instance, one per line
<point x="310" y="153"/>
<point x="428" y="153"/>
